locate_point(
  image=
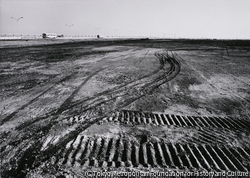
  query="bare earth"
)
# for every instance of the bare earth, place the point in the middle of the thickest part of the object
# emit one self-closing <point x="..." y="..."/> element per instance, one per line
<point x="124" y="105"/>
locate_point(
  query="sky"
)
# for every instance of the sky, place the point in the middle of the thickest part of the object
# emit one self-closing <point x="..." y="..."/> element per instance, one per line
<point x="221" y="19"/>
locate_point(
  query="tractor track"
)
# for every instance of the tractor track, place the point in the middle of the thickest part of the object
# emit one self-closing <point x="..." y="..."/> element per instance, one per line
<point x="208" y="149"/>
<point x="84" y="152"/>
<point x="136" y="117"/>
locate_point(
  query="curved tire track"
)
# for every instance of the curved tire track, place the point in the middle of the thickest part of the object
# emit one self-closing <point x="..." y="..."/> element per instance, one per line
<point x="132" y="91"/>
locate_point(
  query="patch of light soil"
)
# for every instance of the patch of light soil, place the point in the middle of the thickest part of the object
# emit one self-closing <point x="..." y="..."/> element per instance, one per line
<point x="219" y="86"/>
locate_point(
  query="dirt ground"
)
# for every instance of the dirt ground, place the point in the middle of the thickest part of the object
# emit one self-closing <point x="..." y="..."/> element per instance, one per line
<point x="124" y="105"/>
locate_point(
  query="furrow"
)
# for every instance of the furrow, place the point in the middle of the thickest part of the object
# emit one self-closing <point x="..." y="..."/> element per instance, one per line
<point x="185" y="157"/>
<point x="144" y="120"/>
<point x="188" y="121"/>
<point x="213" y="136"/>
<point x="149" y="120"/>
<point x="226" y="160"/>
<point x="233" y="122"/>
<point x="177" y="156"/>
<point x="103" y="152"/>
<point x="237" y="122"/>
<point x="192" y="121"/>
<point x="199" y="141"/>
<point x="68" y="150"/>
<point x="182" y="120"/>
<point x="152" y="154"/>
<point x="128" y="153"/>
<point x="216" y="122"/>
<point x="244" y="161"/>
<point x="46" y="142"/>
<point x="132" y="117"/>
<point x="143" y="155"/>
<point x="209" y="158"/>
<point x="167" y="155"/>
<point x="221" y="122"/>
<point x="135" y="155"/>
<point x="87" y="152"/>
<point x="205" y="121"/>
<point x="161" y="155"/>
<point x="211" y="122"/>
<point x="77" y="147"/>
<point x="176" y="120"/>
<point x="193" y="158"/>
<point x="244" y="153"/>
<point x="112" y="151"/>
<point x="247" y="150"/>
<point x="121" y="116"/>
<point x="217" y="158"/>
<point x="245" y="122"/>
<point x="126" y="116"/>
<point x="159" y="119"/>
<point x="138" y="118"/>
<point x="81" y="149"/>
<point x="201" y="158"/>
<point x="120" y="148"/>
<point x="170" y="120"/>
<point x="198" y="120"/>
<point x="165" y="120"/>
<point x="207" y="139"/>
<point x="196" y="123"/>
<point x="228" y="123"/>
<point x="154" y="119"/>
<point x="95" y="151"/>
<point x="210" y="139"/>
<point x="116" y="117"/>
<point x="234" y="159"/>
<point x="241" y="122"/>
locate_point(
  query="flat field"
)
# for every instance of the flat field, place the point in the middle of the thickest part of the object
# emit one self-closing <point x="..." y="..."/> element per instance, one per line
<point x="124" y="105"/>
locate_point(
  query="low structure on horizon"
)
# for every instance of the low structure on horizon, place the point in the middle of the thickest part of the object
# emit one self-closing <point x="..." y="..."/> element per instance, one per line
<point x="51" y="35"/>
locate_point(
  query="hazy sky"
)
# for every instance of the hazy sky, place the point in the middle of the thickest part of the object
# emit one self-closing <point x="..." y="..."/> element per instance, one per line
<point x="172" y="18"/>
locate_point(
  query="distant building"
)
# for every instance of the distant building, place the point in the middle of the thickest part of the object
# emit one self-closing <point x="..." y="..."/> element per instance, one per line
<point x="49" y="35"/>
<point x="99" y="36"/>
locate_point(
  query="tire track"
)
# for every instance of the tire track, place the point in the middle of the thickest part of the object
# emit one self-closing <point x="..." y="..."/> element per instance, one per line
<point x="134" y="90"/>
<point x="55" y="113"/>
<point x="69" y="99"/>
<point x="118" y="88"/>
<point x="10" y="116"/>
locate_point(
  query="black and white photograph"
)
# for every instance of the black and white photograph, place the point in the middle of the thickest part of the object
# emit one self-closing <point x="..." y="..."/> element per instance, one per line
<point x="124" y="88"/>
